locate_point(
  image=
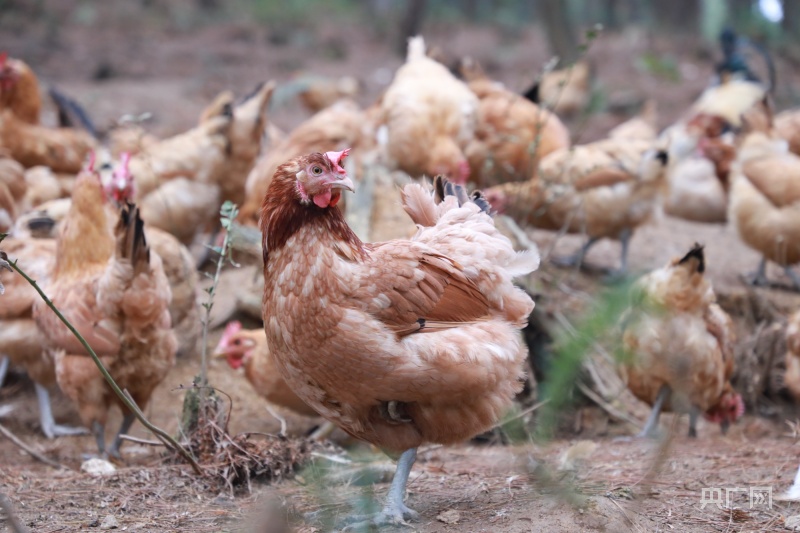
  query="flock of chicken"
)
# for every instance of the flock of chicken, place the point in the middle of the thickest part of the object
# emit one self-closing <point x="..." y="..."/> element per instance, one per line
<point x="422" y="328"/>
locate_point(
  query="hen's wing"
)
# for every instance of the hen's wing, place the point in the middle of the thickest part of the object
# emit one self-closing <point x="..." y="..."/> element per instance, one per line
<point x="412" y="288"/>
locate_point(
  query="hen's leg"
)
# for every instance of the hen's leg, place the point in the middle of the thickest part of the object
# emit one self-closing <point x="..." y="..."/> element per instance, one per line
<point x="99" y="431"/>
<point x="127" y="422"/>
<point x="323" y="432"/>
<point x="5" y="362"/>
<point x="394" y="511"/>
<point x="624" y="241"/>
<point x="694" y="414"/>
<point x="652" y="422"/>
<point x="788" y="270"/>
<point x="46" y="420"/>
<point x="576" y="259"/>
<point x="759" y="277"/>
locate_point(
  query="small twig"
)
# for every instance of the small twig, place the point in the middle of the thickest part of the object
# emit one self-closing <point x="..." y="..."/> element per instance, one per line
<point x="126" y="399"/>
<point x="137" y="440"/>
<point x="607" y="407"/>
<point x="11" y="517"/>
<point x="33" y="453"/>
<point x="529" y="410"/>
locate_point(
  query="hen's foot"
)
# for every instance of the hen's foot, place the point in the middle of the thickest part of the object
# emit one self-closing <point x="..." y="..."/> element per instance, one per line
<point x="58" y="430"/>
<point x="612" y="277"/>
<point x="394" y="514"/>
<point x="5" y="362"/>
<point x="759" y="277"/>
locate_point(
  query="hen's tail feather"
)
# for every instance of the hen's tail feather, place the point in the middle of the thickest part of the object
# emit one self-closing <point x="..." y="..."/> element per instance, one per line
<point x="131" y="242"/>
<point x="695" y="253"/>
<point x="70" y="113"/>
<point x="480" y="200"/>
<point x="443" y="187"/>
<point x="416" y="48"/>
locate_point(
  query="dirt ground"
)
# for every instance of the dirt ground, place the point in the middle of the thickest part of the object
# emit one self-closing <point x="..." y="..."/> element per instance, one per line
<point x="614" y="485"/>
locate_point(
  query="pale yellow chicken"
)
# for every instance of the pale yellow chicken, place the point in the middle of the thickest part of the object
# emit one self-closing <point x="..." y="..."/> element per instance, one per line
<point x="681" y="346"/>
<point x="792" y="377"/>
<point x="316" y="93"/>
<point x="19" y="89"/>
<point x="429" y="118"/>
<point x="512" y="133"/>
<point x="787" y="126"/>
<point x="182" y="181"/>
<point x="12" y="189"/>
<point x="729" y="100"/>
<point x="21" y="343"/>
<point x="248" y="349"/>
<point x="61" y="149"/>
<point x="765" y="200"/>
<point x="565" y="91"/>
<point x="113" y="290"/>
<point x="603" y="190"/>
<point x="179" y="266"/>
<point x="694" y="189"/>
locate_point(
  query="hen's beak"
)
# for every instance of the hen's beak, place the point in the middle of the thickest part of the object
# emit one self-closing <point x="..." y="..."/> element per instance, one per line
<point x="219" y="354"/>
<point x="343" y="183"/>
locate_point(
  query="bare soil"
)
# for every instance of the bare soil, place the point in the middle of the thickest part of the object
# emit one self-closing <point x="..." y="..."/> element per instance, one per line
<point x="620" y="485"/>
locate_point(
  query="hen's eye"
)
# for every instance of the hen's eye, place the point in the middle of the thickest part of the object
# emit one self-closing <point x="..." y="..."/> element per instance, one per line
<point x="316" y="171"/>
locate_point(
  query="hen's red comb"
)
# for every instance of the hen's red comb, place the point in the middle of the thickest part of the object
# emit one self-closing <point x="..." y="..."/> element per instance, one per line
<point x="92" y="159"/>
<point x="122" y="169"/>
<point x="336" y="159"/>
<point x="3" y="57"/>
<point x="231" y="329"/>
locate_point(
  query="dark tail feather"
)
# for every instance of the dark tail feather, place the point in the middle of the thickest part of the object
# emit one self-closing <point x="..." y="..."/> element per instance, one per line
<point x="41" y="225"/>
<point x="70" y="113"/>
<point x="443" y="187"/>
<point x="532" y="93"/>
<point x="695" y="253"/>
<point x="478" y="199"/>
<point x="131" y="242"/>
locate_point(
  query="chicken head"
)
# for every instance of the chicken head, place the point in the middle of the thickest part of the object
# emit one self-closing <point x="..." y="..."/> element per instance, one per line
<point x="323" y="178"/>
<point x="235" y="347"/>
<point x="729" y="409"/>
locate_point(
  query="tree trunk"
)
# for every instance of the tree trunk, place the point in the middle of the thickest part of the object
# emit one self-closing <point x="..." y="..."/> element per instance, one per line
<point x="610" y="16"/>
<point x="741" y="12"/>
<point x="412" y="23"/>
<point x="791" y="18"/>
<point x="679" y="16"/>
<point x="561" y="35"/>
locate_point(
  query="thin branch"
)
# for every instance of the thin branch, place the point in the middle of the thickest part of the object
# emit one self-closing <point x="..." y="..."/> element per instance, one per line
<point x="126" y="399"/>
<point x="144" y="442"/>
<point x="30" y="451"/>
<point x="228" y="214"/>
<point x="607" y="407"/>
<point x="11" y="517"/>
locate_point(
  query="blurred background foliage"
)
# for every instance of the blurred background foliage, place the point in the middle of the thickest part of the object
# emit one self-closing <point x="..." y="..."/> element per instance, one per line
<point x="775" y="22"/>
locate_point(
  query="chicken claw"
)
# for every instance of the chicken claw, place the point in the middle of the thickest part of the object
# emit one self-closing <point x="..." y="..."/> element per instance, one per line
<point x="394" y="512"/>
<point x="759" y="277"/>
<point x="391" y="515"/>
<point x="50" y="429"/>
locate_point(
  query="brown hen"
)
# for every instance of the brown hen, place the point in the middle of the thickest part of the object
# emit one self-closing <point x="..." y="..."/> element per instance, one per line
<point x="400" y="342"/>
